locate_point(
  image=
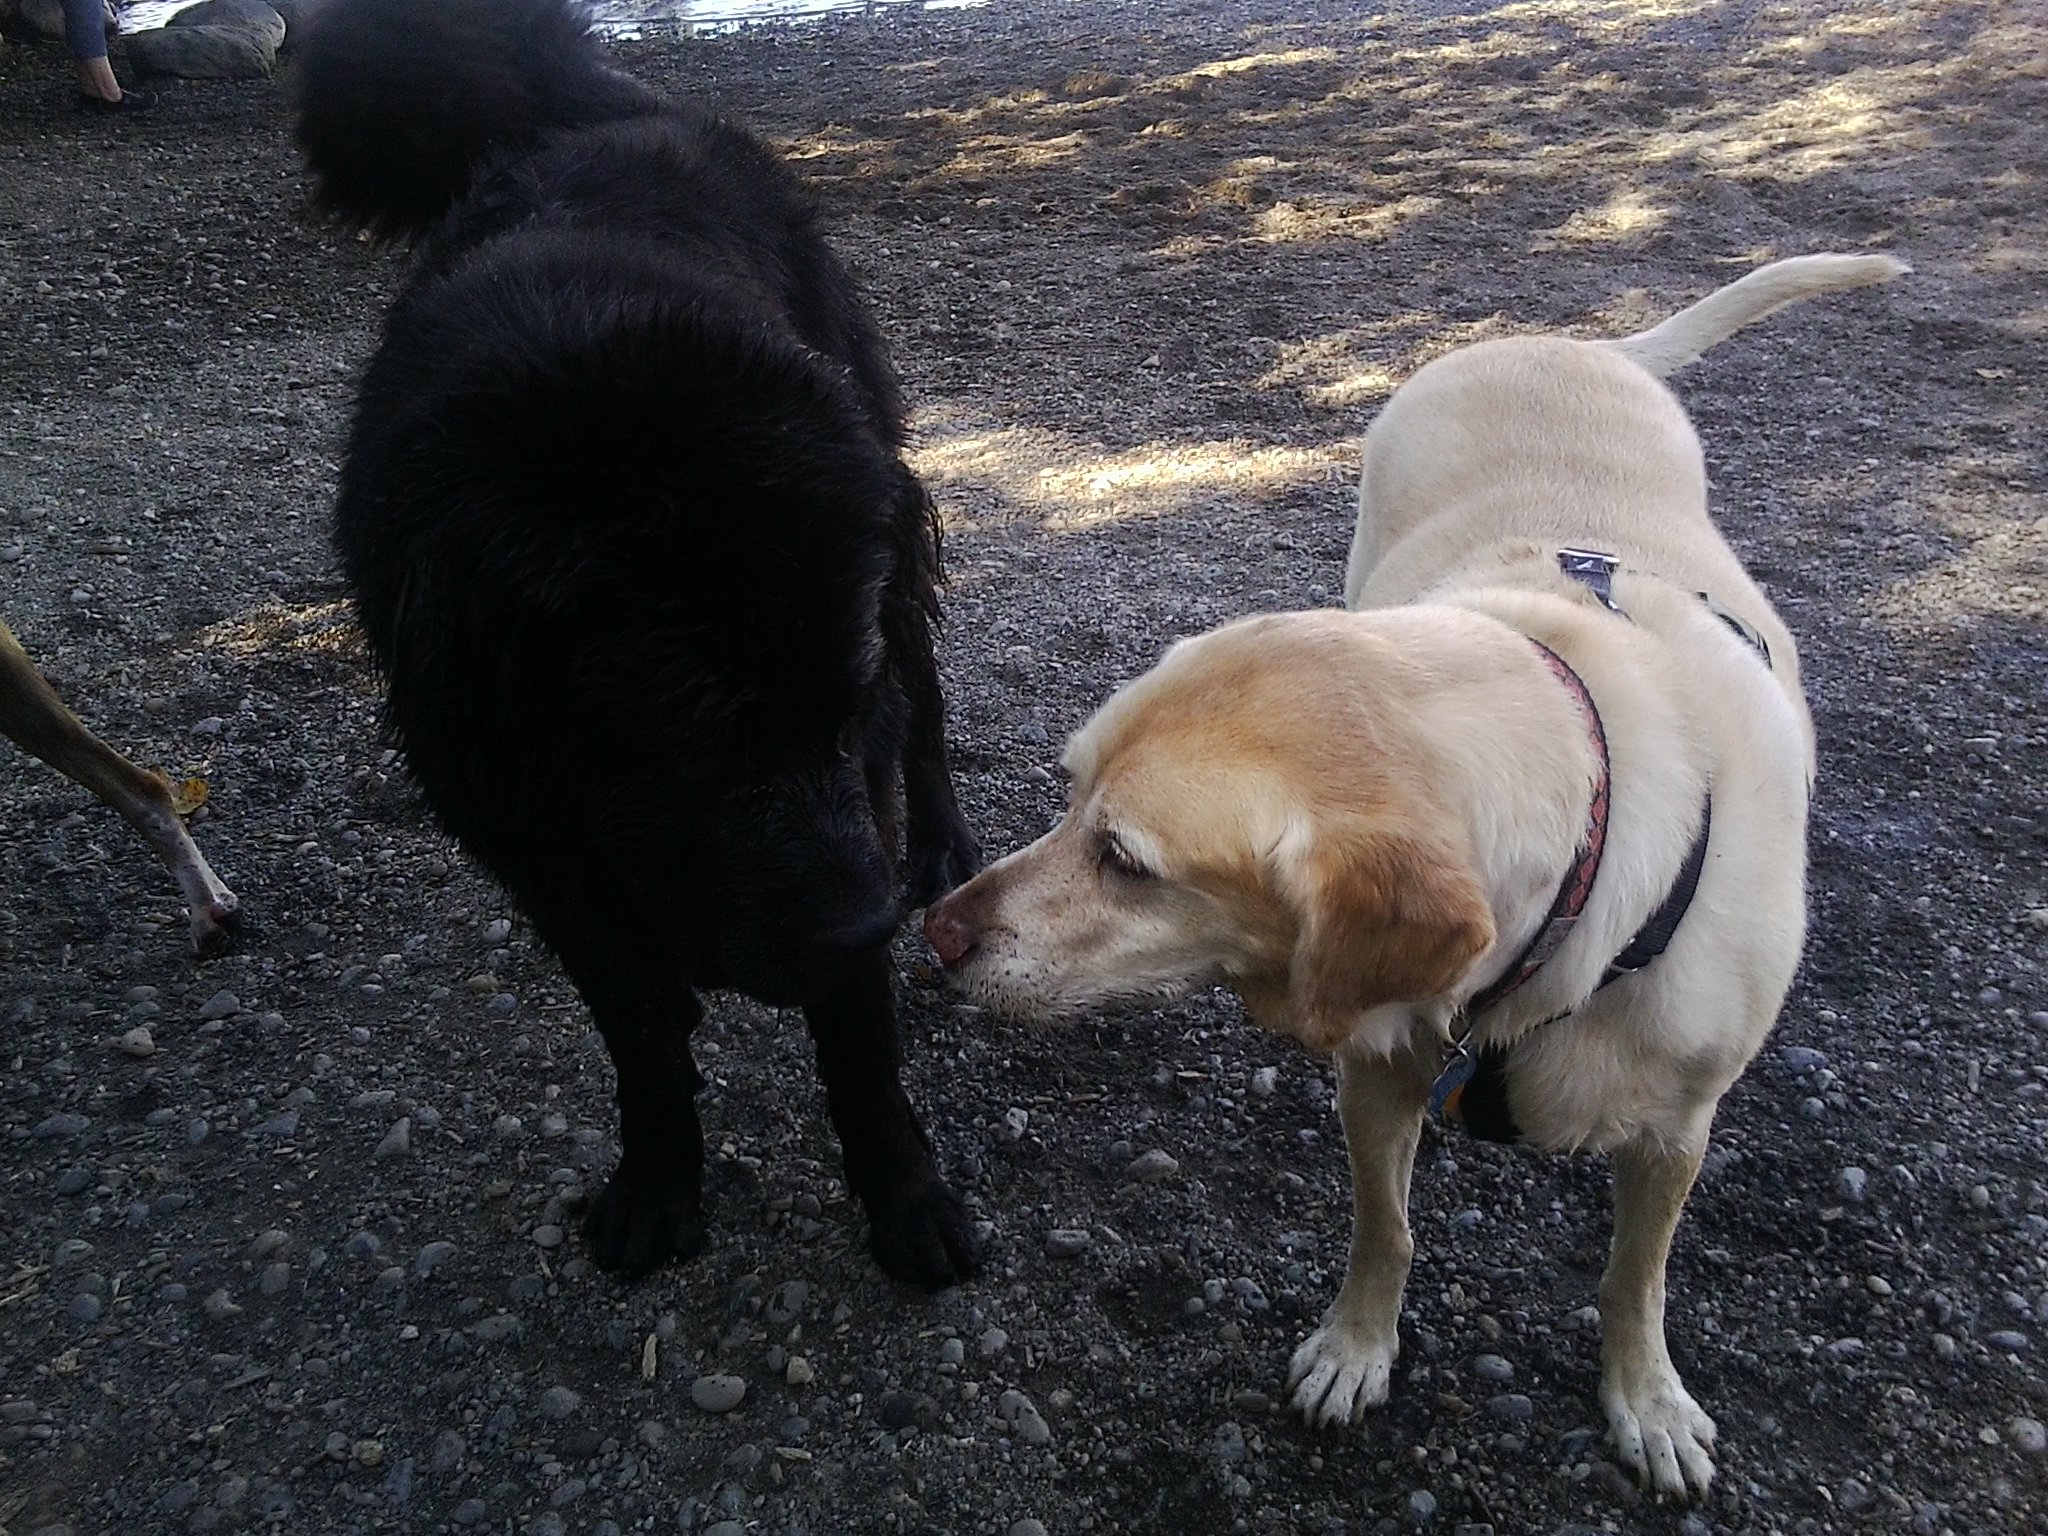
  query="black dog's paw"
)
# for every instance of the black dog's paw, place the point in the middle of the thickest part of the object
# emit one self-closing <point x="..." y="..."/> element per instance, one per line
<point x="923" y="1235"/>
<point x="937" y="866"/>
<point x="640" y="1221"/>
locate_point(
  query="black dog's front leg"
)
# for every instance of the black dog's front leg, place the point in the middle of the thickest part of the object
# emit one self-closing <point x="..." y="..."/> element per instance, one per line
<point x="651" y="1209"/>
<point x="921" y="1232"/>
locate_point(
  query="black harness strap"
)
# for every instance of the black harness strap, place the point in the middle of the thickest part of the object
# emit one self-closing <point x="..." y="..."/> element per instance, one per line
<point x="1654" y="937"/>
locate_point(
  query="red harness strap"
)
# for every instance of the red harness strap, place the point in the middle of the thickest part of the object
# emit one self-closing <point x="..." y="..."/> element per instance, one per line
<point x="1577" y="885"/>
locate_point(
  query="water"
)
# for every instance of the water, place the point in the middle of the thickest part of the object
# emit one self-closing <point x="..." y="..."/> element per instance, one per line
<point x="634" y="18"/>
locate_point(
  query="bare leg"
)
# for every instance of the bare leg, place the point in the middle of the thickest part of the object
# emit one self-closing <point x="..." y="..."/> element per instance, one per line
<point x="33" y="715"/>
<point x="1661" y="1432"/>
<point x="1345" y="1366"/>
<point x="96" y="78"/>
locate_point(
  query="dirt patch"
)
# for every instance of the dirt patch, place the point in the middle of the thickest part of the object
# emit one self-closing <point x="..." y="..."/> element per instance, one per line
<point x="1148" y="272"/>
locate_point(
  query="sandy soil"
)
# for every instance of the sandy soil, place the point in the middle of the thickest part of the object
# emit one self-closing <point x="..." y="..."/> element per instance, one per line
<point x="1149" y="270"/>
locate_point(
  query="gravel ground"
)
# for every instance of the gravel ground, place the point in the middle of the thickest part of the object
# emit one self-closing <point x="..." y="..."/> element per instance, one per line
<point x="282" y="1236"/>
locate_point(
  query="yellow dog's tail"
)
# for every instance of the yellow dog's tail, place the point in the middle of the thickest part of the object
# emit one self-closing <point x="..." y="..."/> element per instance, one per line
<point x="1666" y="348"/>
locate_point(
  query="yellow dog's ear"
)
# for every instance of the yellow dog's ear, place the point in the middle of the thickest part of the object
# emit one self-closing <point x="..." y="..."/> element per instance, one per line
<point x="1386" y="915"/>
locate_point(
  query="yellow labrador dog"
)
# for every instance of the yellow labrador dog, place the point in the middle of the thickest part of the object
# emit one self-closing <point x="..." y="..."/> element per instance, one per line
<point x="1523" y="834"/>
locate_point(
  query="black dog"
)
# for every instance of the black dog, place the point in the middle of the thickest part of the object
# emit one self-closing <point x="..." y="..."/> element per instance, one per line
<point x="628" y="526"/>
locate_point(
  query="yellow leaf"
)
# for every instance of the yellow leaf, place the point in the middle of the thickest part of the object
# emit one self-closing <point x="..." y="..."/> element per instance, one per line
<point x="188" y="796"/>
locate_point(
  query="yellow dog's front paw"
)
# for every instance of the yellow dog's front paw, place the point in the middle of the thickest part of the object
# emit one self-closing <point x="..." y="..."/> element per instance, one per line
<point x="1340" y="1371"/>
<point x="1660" y="1431"/>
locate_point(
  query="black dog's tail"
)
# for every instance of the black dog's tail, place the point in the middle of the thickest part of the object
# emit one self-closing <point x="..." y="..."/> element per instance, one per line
<point x="399" y="101"/>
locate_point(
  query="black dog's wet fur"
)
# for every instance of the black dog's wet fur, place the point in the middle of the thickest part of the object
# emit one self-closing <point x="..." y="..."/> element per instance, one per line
<point x="628" y="526"/>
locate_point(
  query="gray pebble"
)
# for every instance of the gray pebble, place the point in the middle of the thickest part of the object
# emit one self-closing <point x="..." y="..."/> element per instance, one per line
<point x="1027" y="1527"/>
<point x="1022" y="1415"/>
<point x="85" y="1308"/>
<point x="1067" y="1242"/>
<point x="1421" y="1506"/>
<point x="559" y="1402"/>
<point x="789" y="1302"/>
<point x="432" y="1257"/>
<point x="1803" y="1058"/>
<point x="726" y="1528"/>
<point x="1492" y="1368"/>
<point x="1153" y="1167"/>
<point x="2008" y="1341"/>
<point x="275" y="1278"/>
<point x="74" y="1181"/>
<point x="397" y="1141"/>
<point x="993" y="1341"/>
<point x="469" y="1512"/>
<point x="548" y="1235"/>
<point x="1264" y="1082"/>
<point x="61" y="1127"/>
<point x="899" y="1410"/>
<point x="496" y="1328"/>
<point x="1852" y="1184"/>
<point x="363" y="1244"/>
<point x="220" y="1306"/>
<point x="196" y="1131"/>
<point x="2029" y="1435"/>
<point x="286" y="1124"/>
<point x="137" y="1042"/>
<point x="952" y="1352"/>
<point x="448" y="1451"/>
<point x="717" y="1393"/>
<point x="1512" y="1406"/>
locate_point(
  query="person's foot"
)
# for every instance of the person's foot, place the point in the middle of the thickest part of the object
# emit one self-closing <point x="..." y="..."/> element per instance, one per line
<point x="130" y="101"/>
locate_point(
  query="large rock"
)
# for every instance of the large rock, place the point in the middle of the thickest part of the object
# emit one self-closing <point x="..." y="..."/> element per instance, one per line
<point x="203" y="53"/>
<point x="294" y="13"/>
<point x="235" y="15"/>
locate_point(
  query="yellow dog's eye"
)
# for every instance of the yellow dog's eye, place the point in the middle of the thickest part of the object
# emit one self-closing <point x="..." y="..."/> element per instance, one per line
<point x="1119" y="858"/>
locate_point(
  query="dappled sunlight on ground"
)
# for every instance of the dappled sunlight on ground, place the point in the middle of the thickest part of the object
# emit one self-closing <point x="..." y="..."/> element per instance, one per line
<point x="1497" y="98"/>
<point x="1070" y="486"/>
<point x="1361" y="364"/>
<point x="1630" y="214"/>
<point x="1343" y="204"/>
<point x="2002" y="571"/>
<point x="275" y="630"/>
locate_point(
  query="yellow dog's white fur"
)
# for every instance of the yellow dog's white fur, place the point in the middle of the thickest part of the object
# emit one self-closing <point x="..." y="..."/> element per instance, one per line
<point x="1357" y="820"/>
